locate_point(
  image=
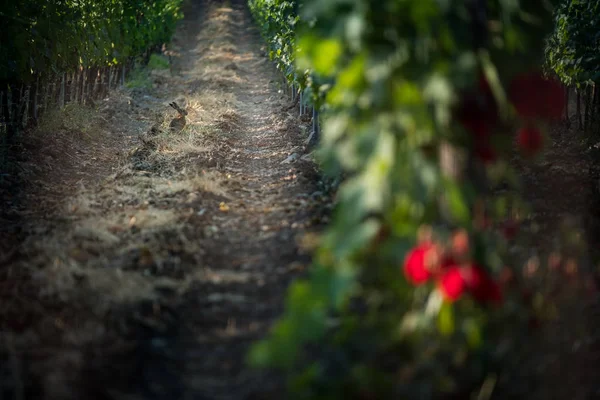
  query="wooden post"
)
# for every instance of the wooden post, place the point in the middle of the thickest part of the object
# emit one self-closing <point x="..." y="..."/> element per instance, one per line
<point x="35" y="98"/>
<point x="579" y="120"/>
<point x="567" y="90"/>
<point x="9" y="110"/>
<point x="55" y="92"/>
<point x="100" y="90"/>
<point x="2" y="119"/>
<point x="89" y="84"/>
<point x="596" y="106"/>
<point x="588" y="99"/>
<point x="25" y="106"/>
<point x="593" y="105"/>
<point x="94" y="89"/>
<point x="106" y="76"/>
<point x="86" y="85"/>
<point x="3" y="138"/>
<point x="70" y="87"/>
<point x="12" y="108"/>
<point x="61" y="92"/>
<point x="75" y="97"/>
<point x="83" y="83"/>
<point x="15" y="101"/>
<point x="22" y="103"/>
<point x="4" y="106"/>
<point x="286" y="86"/>
<point x="45" y="96"/>
<point x="316" y="127"/>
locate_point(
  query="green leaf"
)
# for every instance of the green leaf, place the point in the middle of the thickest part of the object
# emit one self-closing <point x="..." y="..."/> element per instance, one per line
<point x="457" y="203"/>
<point x="473" y="333"/>
<point x="445" y="320"/>
<point x="326" y="54"/>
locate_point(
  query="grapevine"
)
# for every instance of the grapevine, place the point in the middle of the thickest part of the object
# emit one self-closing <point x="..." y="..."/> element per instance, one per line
<point x="420" y="115"/>
<point x="44" y="37"/>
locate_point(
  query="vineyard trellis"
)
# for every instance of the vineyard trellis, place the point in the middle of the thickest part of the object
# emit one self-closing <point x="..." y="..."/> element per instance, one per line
<point x="55" y="53"/>
<point x="572" y="55"/>
<point x="279" y="22"/>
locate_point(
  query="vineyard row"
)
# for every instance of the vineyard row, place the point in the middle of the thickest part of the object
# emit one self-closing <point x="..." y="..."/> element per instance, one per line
<point x="55" y="53"/>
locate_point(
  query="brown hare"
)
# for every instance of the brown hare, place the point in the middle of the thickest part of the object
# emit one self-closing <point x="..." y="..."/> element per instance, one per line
<point x="178" y="123"/>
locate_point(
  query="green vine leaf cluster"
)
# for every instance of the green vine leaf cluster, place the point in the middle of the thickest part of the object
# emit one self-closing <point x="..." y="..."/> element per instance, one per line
<point x="572" y="49"/>
<point x="280" y="22"/>
<point x="277" y="20"/>
<point x="389" y="74"/>
<point x="40" y="37"/>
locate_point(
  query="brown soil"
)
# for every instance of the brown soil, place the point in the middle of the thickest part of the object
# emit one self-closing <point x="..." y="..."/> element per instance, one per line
<point x="148" y="260"/>
<point x="562" y="359"/>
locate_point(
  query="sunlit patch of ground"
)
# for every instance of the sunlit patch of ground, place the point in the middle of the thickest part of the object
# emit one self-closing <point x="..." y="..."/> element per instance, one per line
<point x="140" y="240"/>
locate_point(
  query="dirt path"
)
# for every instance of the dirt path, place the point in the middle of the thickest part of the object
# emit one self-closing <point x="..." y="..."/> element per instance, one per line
<point x="152" y="268"/>
<point x="563" y="357"/>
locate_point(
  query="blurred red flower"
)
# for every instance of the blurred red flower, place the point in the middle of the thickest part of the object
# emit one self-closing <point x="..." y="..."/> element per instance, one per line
<point x="537" y="97"/>
<point x="483" y="288"/>
<point x="414" y="264"/>
<point x="452" y="284"/>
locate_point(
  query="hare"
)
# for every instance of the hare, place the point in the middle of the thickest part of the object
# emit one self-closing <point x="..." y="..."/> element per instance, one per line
<point x="178" y="123"/>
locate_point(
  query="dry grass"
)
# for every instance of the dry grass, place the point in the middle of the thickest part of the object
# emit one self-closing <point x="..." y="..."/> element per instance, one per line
<point x="76" y="121"/>
<point x="228" y="121"/>
<point x="103" y="219"/>
<point x="69" y="281"/>
<point x="209" y="182"/>
<point x="81" y="203"/>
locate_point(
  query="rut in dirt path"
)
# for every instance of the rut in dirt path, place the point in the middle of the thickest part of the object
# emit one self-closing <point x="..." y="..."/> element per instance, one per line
<point x="154" y="275"/>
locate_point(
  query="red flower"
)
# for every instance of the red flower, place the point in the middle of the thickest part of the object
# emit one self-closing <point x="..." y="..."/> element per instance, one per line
<point x="481" y="286"/>
<point x="414" y="264"/>
<point x="474" y="279"/>
<point x="536" y="97"/>
<point x="530" y="140"/>
<point x="452" y="285"/>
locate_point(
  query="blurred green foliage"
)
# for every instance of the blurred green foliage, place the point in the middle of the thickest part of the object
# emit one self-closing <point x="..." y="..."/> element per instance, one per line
<point x="387" y="75"/>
